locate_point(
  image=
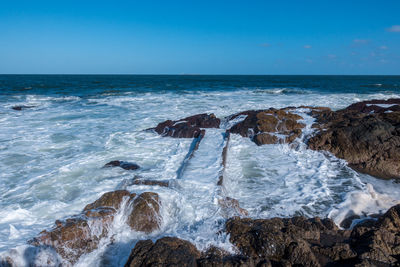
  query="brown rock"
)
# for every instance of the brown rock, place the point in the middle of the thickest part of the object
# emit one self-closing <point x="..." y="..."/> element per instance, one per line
<point x="76" y="236"/>
<point x="260" y="125"/>
<point x="111" y="199"/>
<point x="369" y="142"/>
<point x="189" y="127"/>
<point x="145" y="214"/>
<point x="265" y="138"/>
<point x="167" y="251"/>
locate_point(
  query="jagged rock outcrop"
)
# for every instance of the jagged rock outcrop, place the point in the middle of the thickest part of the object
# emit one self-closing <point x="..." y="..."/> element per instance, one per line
<point x="123" y="164"/>
<point x="316" y="242"/>
<point x="189" y="127"/>
<point x="294" y="241"/>
<point x="365" y="134"/>
<point x="269" y="126"/>
<point x="82" y="233"/>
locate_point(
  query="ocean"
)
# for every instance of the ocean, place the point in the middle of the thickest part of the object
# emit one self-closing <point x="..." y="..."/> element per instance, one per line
<point x="51" y="155"/>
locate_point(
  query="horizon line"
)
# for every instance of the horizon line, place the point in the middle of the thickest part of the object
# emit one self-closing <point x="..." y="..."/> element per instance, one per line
<point x="163" y="74"/>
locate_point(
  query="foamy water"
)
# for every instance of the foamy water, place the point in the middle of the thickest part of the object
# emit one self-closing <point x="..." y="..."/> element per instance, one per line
<point x="52" y="154"/>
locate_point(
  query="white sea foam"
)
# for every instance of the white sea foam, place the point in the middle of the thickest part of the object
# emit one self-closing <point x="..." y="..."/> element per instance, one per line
<point x="52" y="157"/>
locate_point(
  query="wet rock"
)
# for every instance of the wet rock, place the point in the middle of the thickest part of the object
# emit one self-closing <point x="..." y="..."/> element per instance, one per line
<point x="110" y="199"/>
<point x="82" y="233"/>
<point x="150" y="182"/>
<point x="230" y="207"/>
<point x="379" y="242"/>
<point x="145" y="214"/>
<point x="189" y="127"/>
<point x="167" y="251"/>
<point x="19" y="108"/>
<point x="123" y="164"/>
<point x="269" y="126"/>
<point x="295" y="241"/>
<point x="286" y="241"/>
<point x="315" y="242"/>
<point x="272" y="237"/>
<point x="265" y="139"/>
<point x="217" y="257"/>
<point x="365" y="134"/>
<point x="75" y="236"/>
<point x="376" y="106"/>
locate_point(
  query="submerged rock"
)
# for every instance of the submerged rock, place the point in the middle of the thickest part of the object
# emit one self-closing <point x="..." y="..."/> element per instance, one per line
<point x="230" y="206"/>
<point x="150" y="182"/>
<point x="365" y="134"/>
<point x="269" y="126"/>
<point x="82" y="233"/>
<point x="123" y="164"/>
<point x="189" y="127"/>
<point x="19" y="108"/>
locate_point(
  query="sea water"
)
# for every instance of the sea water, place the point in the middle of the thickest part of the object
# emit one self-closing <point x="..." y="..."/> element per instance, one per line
<point x="51" y="156"/>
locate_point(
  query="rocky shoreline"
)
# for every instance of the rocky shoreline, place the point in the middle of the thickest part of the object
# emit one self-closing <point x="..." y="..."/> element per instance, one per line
<point x="365" y="134"/>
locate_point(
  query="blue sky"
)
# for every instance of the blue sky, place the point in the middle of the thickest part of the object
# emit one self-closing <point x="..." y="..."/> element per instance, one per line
<point x="200" y="37"/>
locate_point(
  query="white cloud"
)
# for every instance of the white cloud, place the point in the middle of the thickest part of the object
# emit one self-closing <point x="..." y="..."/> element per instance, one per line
<point x="307" y="46"/>
<point x="383" y="47"/>
<point x="265" y="44"/>
<point x="394" y="28"/>
<point x="332" y="56"/>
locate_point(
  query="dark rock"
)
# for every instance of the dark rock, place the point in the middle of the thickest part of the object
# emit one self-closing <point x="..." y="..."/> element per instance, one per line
<point x="167" y="251"/>
<point x="376" y="106"/>
<point x="189" y="127"/>
<point x="19" y="108"/>
<point x="348" y="221"/>
<point x="288" y="241"/>
<point x="150" y="182"/>
<point x="215" y="257"/>
<point x="123" y="164"/>
<point x="365" y="135"/>
<point x="263" y="125"/>
<point x="294" y="241"/>
<point x="145" y="214"/>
